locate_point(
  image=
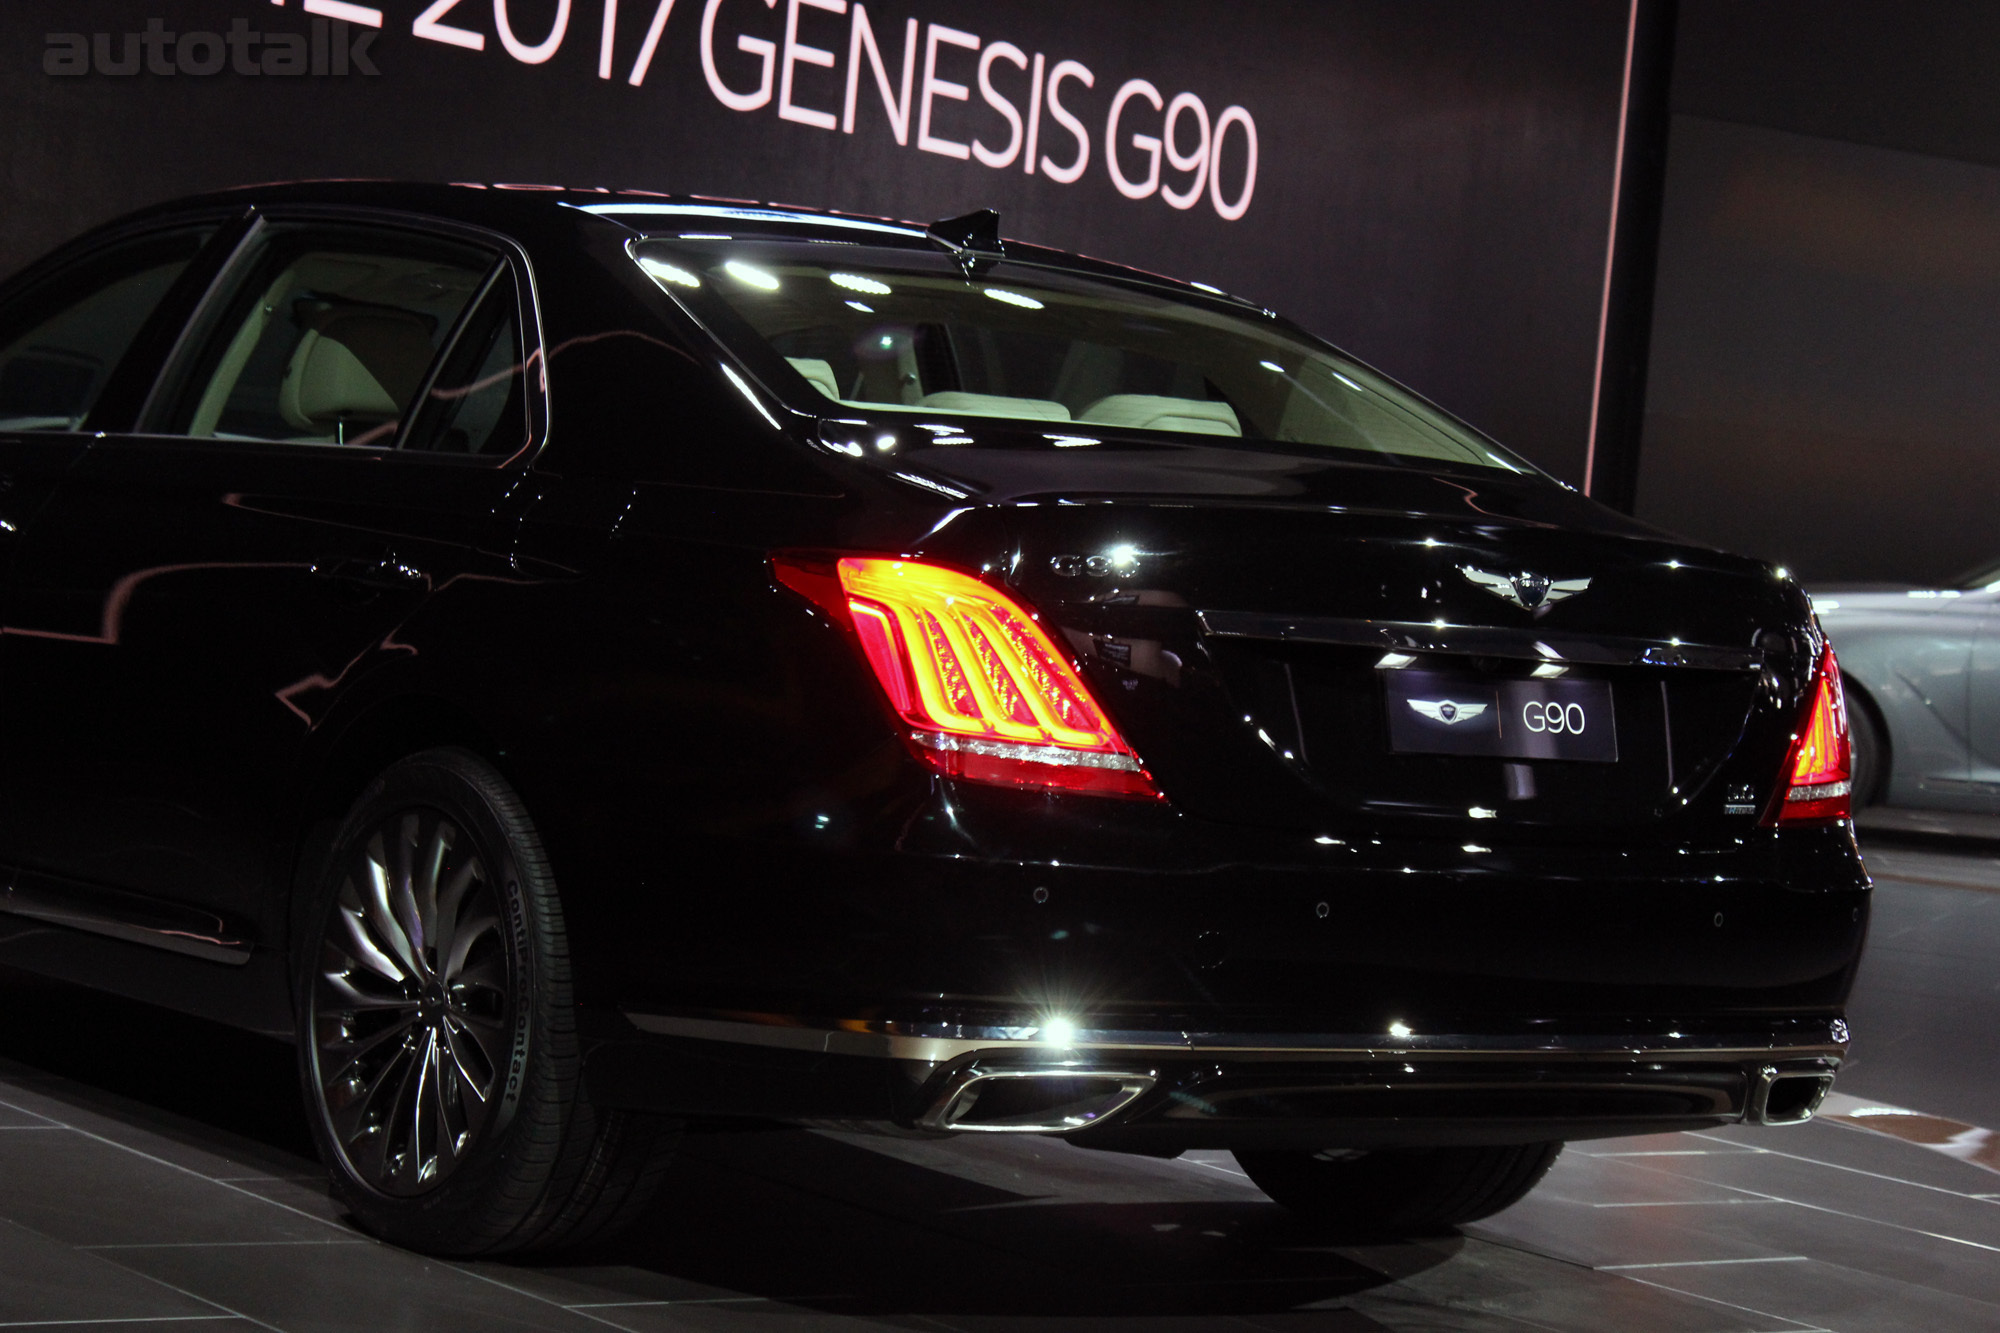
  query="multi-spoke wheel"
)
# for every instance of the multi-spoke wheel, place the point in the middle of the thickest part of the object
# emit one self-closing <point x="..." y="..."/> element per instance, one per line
<point x="413" y="1003"/>
<point x="437" y="1034"/>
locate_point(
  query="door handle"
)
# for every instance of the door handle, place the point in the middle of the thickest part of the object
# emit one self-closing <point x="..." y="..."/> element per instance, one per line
<point x="386" y="572"/>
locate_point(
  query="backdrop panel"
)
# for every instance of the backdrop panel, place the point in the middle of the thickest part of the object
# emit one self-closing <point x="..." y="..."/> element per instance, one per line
<point x="1822" y="389"/>
<point x="1426" y="183"/>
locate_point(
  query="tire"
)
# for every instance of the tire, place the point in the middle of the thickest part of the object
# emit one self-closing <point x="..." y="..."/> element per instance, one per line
<point x="1871" y="753"/>
<point x="437" y="1030"/>
<point x="1393" y="1192"/>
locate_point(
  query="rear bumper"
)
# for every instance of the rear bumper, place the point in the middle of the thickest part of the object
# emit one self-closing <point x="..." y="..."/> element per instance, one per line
<point x="1167" y="1091"/>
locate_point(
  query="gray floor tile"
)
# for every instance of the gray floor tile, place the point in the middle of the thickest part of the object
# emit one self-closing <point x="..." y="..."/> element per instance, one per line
<point x="1899" y="1254"/>
<point x="13" y="1117"/>
<point x="811" y="1221"/>
<point x="1851" y="1237"/>
<point x="1657" y="1145"/>
<point x="1925" y="1012"/>
<point x="43" y="1280"/>
<point x="177" y="1323"/>
<point x="1608" y="1181"/>
<point x="1849" y="1194"/>
<point x="754" y="1315"/>
<point x="198" y="1147"/>
<point x="1887" y="1154"/>
<point x="309" y="1195"/>
<point x="590" y="1285"/>
<point x="1597" y="1237"/>
<point x="1502" y="1283"/>
<point x="1398" y="1319"/>
<point x="1829" y="1296"/>
<point x="1331" y="1320"/>
<point x="1606" y="1210"/>
<point x="85" y="1191"/>
<point x="1848" y="1151"/>
<point x="313" y="1289"/>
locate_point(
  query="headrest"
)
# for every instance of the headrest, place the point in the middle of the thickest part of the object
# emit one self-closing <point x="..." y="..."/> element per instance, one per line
<point x="817" y="373"/>
<point x="355" y="364"/>
<point x="1147" y="411"/>
<point x="995" y="405"/>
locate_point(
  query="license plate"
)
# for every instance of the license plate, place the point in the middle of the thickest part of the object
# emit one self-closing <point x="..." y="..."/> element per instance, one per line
<point x="1438" y="712"/>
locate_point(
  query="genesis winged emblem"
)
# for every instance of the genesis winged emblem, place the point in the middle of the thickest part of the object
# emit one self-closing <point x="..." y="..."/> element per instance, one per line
<point x="1529" y="591"/>
<point x="1445" y="710"/>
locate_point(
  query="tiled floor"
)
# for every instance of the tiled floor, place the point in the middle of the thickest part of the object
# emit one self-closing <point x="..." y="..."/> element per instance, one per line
<point x="139" y="1189"/>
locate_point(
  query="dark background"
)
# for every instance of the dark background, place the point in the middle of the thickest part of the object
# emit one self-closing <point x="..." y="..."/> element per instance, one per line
<point x="1433" y="189"/>
<point x="1433" y="194"/>
<point x="1825" y="374"/>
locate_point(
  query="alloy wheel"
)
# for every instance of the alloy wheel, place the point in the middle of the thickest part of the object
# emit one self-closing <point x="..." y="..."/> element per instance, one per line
<point x="413" y="1007"/>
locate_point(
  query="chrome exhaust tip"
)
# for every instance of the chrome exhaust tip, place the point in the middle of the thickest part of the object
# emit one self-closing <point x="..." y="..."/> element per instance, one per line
<point x="1048" y="1100"/>
<point x="1781" y="1097"/>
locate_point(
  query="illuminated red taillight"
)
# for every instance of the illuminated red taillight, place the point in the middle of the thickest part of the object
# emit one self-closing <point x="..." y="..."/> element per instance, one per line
<point x="984" y="690"/>
<point x="1819" y="768"/>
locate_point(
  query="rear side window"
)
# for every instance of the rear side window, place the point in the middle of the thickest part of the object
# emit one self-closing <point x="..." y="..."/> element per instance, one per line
<point x="477" y="403"/>
<point x="60" y="342"/>
<point x="328" y="337"/>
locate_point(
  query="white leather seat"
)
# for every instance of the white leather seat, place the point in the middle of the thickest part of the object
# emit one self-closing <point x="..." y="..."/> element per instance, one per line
<point x="1147" y="411"/>
<point x="817" y="373"/>
<point x="327" y="384"/>
<point x="995" y="405"/>
<point x="356" y="367"/>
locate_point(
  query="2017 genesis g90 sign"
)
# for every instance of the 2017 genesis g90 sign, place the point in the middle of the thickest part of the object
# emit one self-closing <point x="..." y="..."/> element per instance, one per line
<point x="578" y="663"/>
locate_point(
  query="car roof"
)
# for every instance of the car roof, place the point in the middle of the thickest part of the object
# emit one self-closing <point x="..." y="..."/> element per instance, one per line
<point x="530" y="208"/>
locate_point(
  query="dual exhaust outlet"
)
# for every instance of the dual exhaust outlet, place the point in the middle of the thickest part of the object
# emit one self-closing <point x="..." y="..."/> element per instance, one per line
<point x="1049" y="1100"/>
<point x="1785" y="1097"/>
<point x="1059" y="1099"/>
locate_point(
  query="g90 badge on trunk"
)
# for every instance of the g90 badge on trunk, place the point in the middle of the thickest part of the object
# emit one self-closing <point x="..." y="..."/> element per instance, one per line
<point x="1440" y="712"/>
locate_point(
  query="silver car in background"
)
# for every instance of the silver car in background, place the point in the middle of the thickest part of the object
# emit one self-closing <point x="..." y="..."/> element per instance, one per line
<point x="1922" y="673"/>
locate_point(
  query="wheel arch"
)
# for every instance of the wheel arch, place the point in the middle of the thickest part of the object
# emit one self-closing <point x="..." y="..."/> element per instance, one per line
<point x="1861" y="697"/>
<point x="339" y="771"/>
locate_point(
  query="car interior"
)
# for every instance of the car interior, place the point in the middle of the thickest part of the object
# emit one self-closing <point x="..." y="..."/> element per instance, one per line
<point x="1137" y="411"/>
<point x="52" y="371"/>
<point x="333" y="348"/>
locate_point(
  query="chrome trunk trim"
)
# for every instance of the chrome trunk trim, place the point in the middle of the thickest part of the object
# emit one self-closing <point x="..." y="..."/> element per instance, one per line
<point x="1527" y="643"/>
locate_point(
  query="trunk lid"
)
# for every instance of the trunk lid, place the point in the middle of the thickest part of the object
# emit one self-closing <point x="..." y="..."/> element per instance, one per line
<point x="1246" y="613"/>
<point x="1257" y="658"/>
<point x="1245" y="616"/>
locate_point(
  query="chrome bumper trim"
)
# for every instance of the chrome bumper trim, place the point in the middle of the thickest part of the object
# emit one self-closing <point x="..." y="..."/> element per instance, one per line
<point x="943" y="1043"/>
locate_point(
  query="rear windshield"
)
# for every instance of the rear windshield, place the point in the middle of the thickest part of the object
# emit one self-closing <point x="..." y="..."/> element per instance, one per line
<point x="889" y="329"/>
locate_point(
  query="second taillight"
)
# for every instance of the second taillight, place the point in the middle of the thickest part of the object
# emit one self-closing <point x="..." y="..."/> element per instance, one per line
<point x="1818" y="782"/>
<point x="986" y="693"/>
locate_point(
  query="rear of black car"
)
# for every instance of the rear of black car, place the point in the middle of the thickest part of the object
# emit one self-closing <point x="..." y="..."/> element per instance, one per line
<point x="888" y="677"/>
<point x="1396" y="797"/>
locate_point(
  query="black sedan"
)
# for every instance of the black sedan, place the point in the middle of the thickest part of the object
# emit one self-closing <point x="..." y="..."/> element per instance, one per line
<point x="583" y="662"/>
